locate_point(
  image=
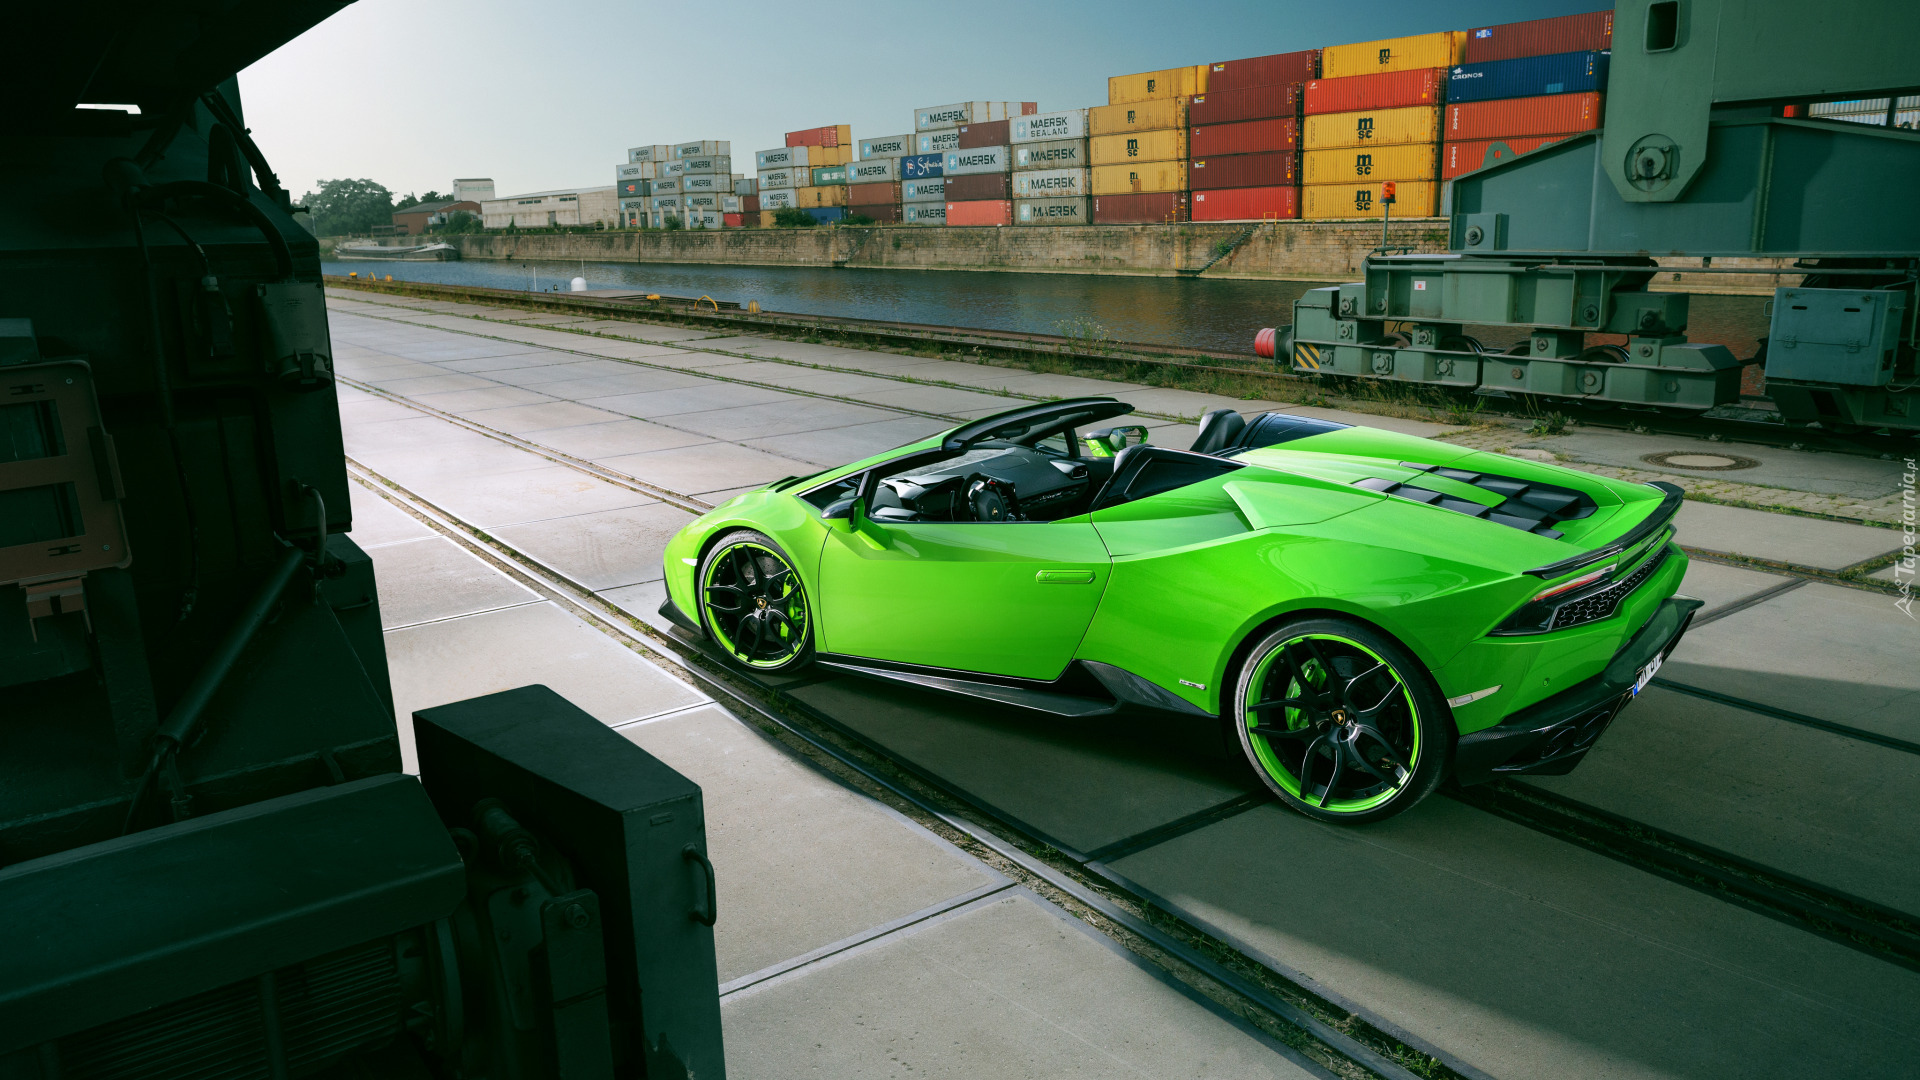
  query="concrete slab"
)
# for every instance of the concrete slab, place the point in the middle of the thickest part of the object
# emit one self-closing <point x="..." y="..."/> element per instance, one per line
<point x="419" y="385"/>
<point x="811" y="380"/>
<point x="1817" y="805"/>
<point x="429" y="449"/>
<point x="604" y="550"/>
<point x="498" y="500"/>
<point x="941" y="400"/>
<point x="359" y="407"/>
<point x="1851" y="475"/>
<point x="802" y="861"/>
<point x="560" y="368"/>
<point x="713" y="466"/>
<point x="642" y="601"/>
<point x="835" y="446"/>
<point x="387" y="369"/>
<point x="1720" y="585"/>
<point x="377" y="521"/>
<point x="825" y="355"/>
<point x="434" y="578"/>
<point x="1528" y="957"/>
<point x="1006" y="987"/>
<point x="785" y="417"/>
<point x="549" y="414"/>
<point x="701" y="398"/>
<point x="1085" y="783"/>
<point x="613" y="438"/>
<point x="1840" y="654"/>
<point x="646" y="349"/>
<point x="492" y="397"/>
<point x="1897" y="571"/>
<point x="632" y="381"/>
<point x="519" y="358"/>
<point x="1787" y="538"/>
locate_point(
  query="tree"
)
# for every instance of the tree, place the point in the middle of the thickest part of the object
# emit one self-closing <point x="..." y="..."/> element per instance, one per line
<point x="416" y="200"/>
<point x="342" y="207"/>
<point x="792" y="217"/>
<point x="460" y="221"/>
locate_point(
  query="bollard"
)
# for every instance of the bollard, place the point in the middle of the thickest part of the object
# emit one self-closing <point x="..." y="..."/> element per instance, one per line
<point x="353" y="273"/>
<point x="753" y="307"/>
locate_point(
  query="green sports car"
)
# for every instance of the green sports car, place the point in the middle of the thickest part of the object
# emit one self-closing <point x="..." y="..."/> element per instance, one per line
<point x="1368" y="611"/>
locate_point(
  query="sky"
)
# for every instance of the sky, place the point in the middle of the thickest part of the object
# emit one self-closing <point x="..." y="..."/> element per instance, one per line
<point x="412" y="93"/>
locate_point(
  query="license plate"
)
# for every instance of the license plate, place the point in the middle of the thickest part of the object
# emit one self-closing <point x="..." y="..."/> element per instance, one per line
<point x="1646" y="675"/>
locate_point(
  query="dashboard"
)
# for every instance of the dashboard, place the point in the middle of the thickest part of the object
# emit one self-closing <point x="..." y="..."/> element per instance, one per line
<point x="1004" y="483"/>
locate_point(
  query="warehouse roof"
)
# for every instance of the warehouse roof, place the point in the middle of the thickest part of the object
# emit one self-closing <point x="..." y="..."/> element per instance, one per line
<point x="555" y="191"/>
<point x="431" y="207"/>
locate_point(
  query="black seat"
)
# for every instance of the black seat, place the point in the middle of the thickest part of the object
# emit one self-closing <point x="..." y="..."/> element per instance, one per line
<point x="1219" y="429"/>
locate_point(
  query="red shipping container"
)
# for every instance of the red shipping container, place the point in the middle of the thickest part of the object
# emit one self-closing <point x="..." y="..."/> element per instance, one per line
<point x="820" y="136"/>
<point x="1552" y="114"/>
<point x="1464" y="157"/>
<point x="980" y="186"/>
<point x="733" y="221"/>
<point x="1246" y="137"/>
<point x="991" y="133"/>
<point x="1280" y="68"/>
<point x="1588" y="31"/>
<point x="749" y="204"/>
<point x="872" y="194"/>
<point x="1387" y="90"/>
<point x="980" y="212"/>
<point x="888" y="214"/>
<point x="1253" y="103"/>
<point x="1246" y="204"/>
<point x="1245" y="171"/>
<point x="1144" y="208"/>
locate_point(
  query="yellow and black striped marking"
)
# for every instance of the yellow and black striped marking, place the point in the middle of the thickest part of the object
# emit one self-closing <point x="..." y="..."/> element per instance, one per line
<point x="1306" y="356"/>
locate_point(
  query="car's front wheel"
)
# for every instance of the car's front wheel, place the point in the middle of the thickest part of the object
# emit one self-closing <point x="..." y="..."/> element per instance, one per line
<point x="1342" y="723"/>
<point x="753" y="603"/>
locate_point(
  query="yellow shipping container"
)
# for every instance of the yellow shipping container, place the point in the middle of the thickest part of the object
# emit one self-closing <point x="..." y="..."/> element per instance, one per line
<point x="1445" y="49"/>
<point x="1151" y="85"/>
<point x="830" y="155"/>
<point x="830" y="195"/>
<point x="1165" y="144"/>
<point x="1378" y="127"/>
<point x="1139" y="177"/>
<point x="1411" y="199"/>
<point x="1138" y="116"/>
<point x="1411" y="161"/>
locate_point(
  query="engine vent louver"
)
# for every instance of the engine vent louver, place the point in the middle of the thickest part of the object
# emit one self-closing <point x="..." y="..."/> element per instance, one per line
<point x="1524" y="504"/>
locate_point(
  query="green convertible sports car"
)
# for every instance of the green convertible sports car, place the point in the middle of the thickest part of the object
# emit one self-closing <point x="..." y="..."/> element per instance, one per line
<point x="1368" y="611"/>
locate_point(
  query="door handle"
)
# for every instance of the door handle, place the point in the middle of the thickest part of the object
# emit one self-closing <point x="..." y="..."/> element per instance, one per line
<point x="1064" y="577"/>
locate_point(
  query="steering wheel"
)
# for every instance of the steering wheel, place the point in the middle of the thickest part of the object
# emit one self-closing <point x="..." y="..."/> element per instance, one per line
<point x="991" y="499"/>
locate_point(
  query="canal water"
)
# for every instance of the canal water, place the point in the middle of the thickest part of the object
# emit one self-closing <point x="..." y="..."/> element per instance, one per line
<point x="1216" y="314"/>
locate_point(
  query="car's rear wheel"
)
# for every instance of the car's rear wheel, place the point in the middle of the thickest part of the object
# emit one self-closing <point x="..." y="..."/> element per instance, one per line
<point x="753" y="603"/>
<point x="1340" y="722"/>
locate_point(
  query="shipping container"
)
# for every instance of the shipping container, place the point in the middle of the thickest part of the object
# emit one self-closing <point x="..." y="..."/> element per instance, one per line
<point x="635" y="171"/>
<point x="705" y="148"/>
<point x="984" y="159"/>
<point x="872" y="194"/>
<point x="831" y="135"/>
<point x="886" y="147"/>
<point x="733" y="221"/>
<point x="1246" y="137"/>
<point x="779" y="199"/>
<point x="707" y="182"/>
<point x="703" y="200"/>
<point x="881" y="213"/>
<point x="1138" y="116"/>
<point x="1528" y="76"/>
<point x="1464" y="157"/>
<point x="922" y="166"/>
<point x="1053" y="211"/>
<point x="664" y="202"/>
<point x="1411" y="161"/>
<point x="1381" y="127"/>
<point x="1590" y="31"/>
<point x="669" y="185"/>
<point x="1253" y="103"/>
<point x="633" y="189"/>
<point x="1276" y="70"/>
<point x="924" y="213"/>
<point x="1150" y="85"/>
<point x="937" y="142"/>
<point x="785" y="178"/>
<point x="1323" y="202"/>
<point x="663" y="169"/>
<point x="990" y="133"/>
<point x="979" y="186"/>
<point x="1246" y="204"/>
<point x="729" y="204"/>
<point x="825" y="214"/>
<point x="808" y="197"/>
<point x="934" y="190"/>
<point x="1046" y="127"/>
<point x="970" y="112"/>
<point x="1441" y="50"/>
<point x="884" y="170"/>
<point x="830" y="174"/>
<point x="633" y="204"/>
<point x="717" y="164"/>
<point x="765" y="219"/>
<point x="1554" y="114"/>
<point x="1166" y="144"/>
<point x="1052" y="184"/>
<point x="656" y="152"/>
<point x="1140" y="177"/>
<point x="981" y="212"/>
<point x="746" y="185"/>
<point x="1280" y="168"/>
<point x="1059" y="154"/>
<point x="1387" y="90"/>
<point x="702" y="219"/>
<point x="749" y="204"/>
<point x="1150" y="208"/>
<point x="796" y="156"/>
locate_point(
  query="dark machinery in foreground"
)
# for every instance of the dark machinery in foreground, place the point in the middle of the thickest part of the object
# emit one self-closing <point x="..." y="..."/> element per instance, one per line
<point x="211" y="863"/>
<point x="1696" y="159"/>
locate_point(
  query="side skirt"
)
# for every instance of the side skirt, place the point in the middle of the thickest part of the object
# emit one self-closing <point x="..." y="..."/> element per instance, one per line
<point x="1078" y="692"/>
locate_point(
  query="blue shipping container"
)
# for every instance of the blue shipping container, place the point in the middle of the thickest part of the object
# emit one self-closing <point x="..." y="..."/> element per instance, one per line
<point x="1528" y="76"/>
<point x="824" y="214"/>
<point x="922" y="166"/>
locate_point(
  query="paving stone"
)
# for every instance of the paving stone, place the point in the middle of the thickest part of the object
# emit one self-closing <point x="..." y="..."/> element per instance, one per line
<point x="377" y="521"/>
<point x="941" y="400"/>
<point x="1787" y="538"/>
<point x="642" y="601"/>
<point x="713" y="466"/>
<point x="433" y="578"/>
<point x="701" y="398"/>
<point x="839" y="445"/>
<point x="420" y="385"/>
<point x="1720" y="585"/>
<point x="632" y="381"/>
<point x="496" y="500"/>
<point x="561" y="368"/>
<point x="521" y="419"/>
<point x="1852" y="475"/>
<point x="785" y="417"/>
<point x="468" y="401"/>
<point x="359" y="407"/>
<point x="613" y="438"/>
<point x="604" y="550"/>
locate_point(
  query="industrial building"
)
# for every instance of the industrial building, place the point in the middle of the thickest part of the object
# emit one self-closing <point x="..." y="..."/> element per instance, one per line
<point x="415" y="219"/>
<point x="545" y="209"/>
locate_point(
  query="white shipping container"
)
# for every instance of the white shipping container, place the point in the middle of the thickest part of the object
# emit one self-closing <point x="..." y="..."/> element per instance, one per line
<point x="1040" y="127"/>
<point x="665" y="202"/>
<point x="886" y="147"/>
<point x="729" y="204"/>
<point x="706" y="182"/>
<point x="939" y="142"/>
<point x="934" y="190"/>
<point x="980" y="159"/>
<point x="701" y="200"/>
<point x="1052" y="184"/>
<point x="779" y="199"/>
<point x="670" y="168"/>
<point x="656" y="152"/>
<point x="785" y="178"/>
<point x="1052" y="211"/>
<point x="669" y="186"/>
<point x="784" y="157"/>
<point x="746" y="185"/>
<point x="1062" y="154"/>
<point x="720" y="164"/>
<point x="884" y="170"/>
<point x="634" y="204"/>
<point x="702" y="149"/>
<point x="924" y="213"/>
<point x="634" y="171"/>
<point x="702" y="219"/>
<point x="968" y="112"/>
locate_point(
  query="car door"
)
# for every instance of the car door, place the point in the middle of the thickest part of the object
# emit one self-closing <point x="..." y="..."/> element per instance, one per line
<point x="1005" y="598"/>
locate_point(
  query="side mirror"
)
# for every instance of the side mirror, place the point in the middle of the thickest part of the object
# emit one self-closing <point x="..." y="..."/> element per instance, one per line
<point x="1110" y="441"/>
<point x="842" y="509"/>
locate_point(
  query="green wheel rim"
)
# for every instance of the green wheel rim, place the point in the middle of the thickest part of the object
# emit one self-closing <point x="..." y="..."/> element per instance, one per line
<point x="1332" y="723"/>
<point x="754" y="604"/>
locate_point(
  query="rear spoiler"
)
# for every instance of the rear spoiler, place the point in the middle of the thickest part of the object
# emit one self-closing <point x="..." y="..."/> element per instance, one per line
<point x="1670" y="499"/>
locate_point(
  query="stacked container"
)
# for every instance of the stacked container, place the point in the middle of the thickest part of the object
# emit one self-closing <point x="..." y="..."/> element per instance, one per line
<point x="700" y="181"/>
<point x="965" y="148"/>
<point x="873" y="182"/>
<point x="1243" y="139"/>
<point x="1525" y="84"/>
<point x="1052" y="184"/>
<point x="786" y="177"/>
<point x="1137" y="146"/>
<point x="1373" y="118"/>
